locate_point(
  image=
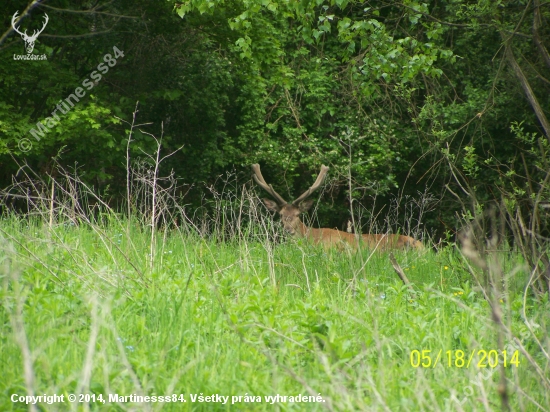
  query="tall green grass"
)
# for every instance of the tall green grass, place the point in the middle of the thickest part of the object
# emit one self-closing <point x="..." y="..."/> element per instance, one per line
<point x="87" y="311"/>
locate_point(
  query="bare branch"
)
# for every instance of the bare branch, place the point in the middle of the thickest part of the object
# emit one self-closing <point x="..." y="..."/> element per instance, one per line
<point x="526" y="86"/>
<point x="31" y="5"/>
<point x="93" y="10"/>
<point x="400" y="272"/>
<point x="537" y="23"/>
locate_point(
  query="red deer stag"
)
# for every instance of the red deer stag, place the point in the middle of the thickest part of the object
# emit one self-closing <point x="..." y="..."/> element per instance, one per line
<point x="290" y="215"/>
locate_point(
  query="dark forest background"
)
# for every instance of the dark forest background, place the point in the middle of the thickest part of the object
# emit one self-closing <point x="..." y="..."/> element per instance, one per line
<point x="444" y="102"/>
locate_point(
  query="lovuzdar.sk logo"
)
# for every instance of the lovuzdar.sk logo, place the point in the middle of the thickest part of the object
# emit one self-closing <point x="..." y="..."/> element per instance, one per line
<point x="29" y="40"/>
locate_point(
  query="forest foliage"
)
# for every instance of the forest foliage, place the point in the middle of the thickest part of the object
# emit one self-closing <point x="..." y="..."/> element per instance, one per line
<point x="399" y="98"/>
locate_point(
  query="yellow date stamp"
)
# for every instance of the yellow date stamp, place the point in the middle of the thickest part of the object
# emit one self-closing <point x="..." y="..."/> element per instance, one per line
<point x="479" y="358"/>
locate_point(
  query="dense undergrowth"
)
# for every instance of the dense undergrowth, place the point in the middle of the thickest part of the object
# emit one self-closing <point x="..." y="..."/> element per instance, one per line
<point x="86" y="310"/>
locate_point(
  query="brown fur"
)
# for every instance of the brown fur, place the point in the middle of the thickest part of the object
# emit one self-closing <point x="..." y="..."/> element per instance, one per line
<point x="290" y="216"/>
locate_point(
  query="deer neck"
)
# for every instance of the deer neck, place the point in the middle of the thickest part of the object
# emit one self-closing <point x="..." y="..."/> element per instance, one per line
<point x="302" y="230"/>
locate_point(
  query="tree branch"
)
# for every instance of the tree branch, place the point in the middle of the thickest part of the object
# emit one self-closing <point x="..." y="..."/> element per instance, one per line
<point x="525" y="85"/>
<point x="537" y="22"/>
<point x="31" y="5"/>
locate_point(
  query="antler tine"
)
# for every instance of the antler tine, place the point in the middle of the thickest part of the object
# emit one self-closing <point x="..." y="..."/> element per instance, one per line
<point x="13" y="24"/>
<point x="259" y="179"/>
<point x="46" y="20"/>
<point x="318" y="182"/>
<point x="35" y="33"/>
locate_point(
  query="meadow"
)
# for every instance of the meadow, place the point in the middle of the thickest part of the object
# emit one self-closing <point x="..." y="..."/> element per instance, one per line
<point x="92" y="309"/>
<point x="141" y="270"/>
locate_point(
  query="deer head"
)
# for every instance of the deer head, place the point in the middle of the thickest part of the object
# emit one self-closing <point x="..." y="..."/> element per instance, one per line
<point x="289" y="212"/>
<point x="29" y="40"/>
<point x="290" y="215"/>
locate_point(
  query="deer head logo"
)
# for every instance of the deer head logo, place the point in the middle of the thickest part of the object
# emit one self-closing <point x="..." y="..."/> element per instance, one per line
<point x="29" y="40"/>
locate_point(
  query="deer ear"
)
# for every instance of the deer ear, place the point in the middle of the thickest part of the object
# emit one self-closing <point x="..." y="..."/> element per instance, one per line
<point x="271" y="205"/>
<point x="305" y="205"/>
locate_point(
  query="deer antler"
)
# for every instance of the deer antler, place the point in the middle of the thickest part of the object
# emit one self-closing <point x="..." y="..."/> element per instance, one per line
<point x="35" y="32"/>
<point x="318" y="182"/>
<point x="47" y="19"/>
<point x="13" y="24"/>
<point x="259" y="179"/>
